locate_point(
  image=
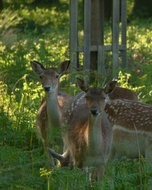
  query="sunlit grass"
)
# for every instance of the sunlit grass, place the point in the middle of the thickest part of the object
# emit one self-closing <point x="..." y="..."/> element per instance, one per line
<point x="42" y="34"/>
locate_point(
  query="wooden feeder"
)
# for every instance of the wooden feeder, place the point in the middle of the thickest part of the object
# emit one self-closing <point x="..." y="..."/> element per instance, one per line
<point x="87" y="42"/>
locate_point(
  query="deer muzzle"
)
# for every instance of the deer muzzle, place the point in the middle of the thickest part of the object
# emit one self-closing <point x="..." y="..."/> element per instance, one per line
<point x="47" y="89"/>
<point x="94" y="112"/>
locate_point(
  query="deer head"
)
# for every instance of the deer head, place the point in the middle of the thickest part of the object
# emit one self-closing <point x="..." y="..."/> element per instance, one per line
<point x="95" y="97"/>
<point x="49" y="77"/>
<point x="116" y="92"/>
<point x="110" y="86"/>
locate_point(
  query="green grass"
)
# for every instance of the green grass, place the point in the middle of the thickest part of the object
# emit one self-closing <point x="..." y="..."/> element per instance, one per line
<point x="20" y="168"/>
<point x="24" y="36"/>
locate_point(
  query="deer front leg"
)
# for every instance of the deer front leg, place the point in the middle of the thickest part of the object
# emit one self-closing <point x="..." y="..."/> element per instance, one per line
<point x="94" y="174"/>
<point x="97" y="173"/>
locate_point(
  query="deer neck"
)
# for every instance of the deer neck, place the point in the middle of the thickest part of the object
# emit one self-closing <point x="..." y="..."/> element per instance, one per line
<point x="53" y="110"/>
<point x="94" y="133"/>
<point x="95" y="142"/>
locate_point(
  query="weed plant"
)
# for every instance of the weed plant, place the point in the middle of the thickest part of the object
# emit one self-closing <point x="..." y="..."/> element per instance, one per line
<point x="41" y="33"/>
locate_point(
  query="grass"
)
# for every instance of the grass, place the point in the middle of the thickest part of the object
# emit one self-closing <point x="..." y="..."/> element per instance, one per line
<point x="20" y="168"/>
<point x="23" y="37"/>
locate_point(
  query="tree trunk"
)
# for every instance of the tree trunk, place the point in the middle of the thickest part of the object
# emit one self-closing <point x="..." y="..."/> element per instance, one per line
<point x="142" y="8"/>
<point x="1" y="4"/>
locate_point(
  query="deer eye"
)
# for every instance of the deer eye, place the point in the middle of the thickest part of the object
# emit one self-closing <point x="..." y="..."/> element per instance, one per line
<point x="86" y="97"/>
<point x="103" y="98"/>
<point x="57" y="76"/>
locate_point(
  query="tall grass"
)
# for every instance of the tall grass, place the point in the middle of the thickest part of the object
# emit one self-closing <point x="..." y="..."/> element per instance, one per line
<point x="42" y="34"/>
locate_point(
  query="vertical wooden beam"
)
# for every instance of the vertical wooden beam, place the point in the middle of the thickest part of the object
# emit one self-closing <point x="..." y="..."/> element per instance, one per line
<point x="101" y="56"/>
<point x="123" y="32"/>
<point x="93" y="47"/>
<point x="96" y="30"/>
<point x="115" y="35"/>
<point x="74" y="34"/>
<point x="87" y="33"/>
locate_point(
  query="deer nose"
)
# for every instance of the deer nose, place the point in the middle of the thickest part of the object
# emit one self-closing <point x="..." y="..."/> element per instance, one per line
<point x="94" y="112"/>
<point x="47" y="89"/>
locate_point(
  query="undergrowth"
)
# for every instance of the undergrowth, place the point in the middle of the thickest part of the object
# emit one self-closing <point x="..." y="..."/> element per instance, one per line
<point x="41" y="33"/>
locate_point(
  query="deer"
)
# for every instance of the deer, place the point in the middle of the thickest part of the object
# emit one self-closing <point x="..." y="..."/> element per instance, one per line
<point x="49" y="117"/>
<point x="132" y="121"/>
<point x="89" y="135"/>
<point x="124" y="143"/>
<point x="130" y="114"/>
<point x="58" y="110"/>
<point x="99" y="131"/>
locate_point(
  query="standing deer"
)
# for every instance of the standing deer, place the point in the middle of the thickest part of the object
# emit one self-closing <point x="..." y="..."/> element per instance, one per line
<point x="132" y="123"/>
<point x="125" y="143"/>
<point x="98" y="134"/>
<point x="58" y="110"/>
<point x="131" y="115"/>
<point x="50" y="112"/>
<point x="89" y="134"/>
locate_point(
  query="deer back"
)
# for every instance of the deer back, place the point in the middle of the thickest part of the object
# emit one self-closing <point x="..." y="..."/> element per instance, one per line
<point x="116" y="92"/>
<point x="130" y="114"/>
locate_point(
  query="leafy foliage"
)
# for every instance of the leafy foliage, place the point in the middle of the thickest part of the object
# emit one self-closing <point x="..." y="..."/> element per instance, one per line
<point x="41" y="33"/>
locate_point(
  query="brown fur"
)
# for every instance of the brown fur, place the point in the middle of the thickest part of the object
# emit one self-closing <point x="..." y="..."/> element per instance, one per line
<point x="50" y="111"/>
<point x="133" y="121"/>
<point x="122" y="93"/>
<point x="116" y="92"/>
<point x="90" y="136"/>
<point x="75" y="117"/>
<point x="131" y="144"/>
<point x="131" y="115"/>
<point x="85" y="150"/>
<point x="42" y="118"/>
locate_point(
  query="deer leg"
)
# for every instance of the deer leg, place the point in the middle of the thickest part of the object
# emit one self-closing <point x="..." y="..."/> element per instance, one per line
<point x="148" y="153"/>
<point x="97" y="173"/>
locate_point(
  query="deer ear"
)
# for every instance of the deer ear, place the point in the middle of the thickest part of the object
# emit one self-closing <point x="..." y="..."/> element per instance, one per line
<point x="55" y="154"/>
<point x="64" y="66"/>
<point x="82" y="85"/>
<point x="104" y="95"/>
<point x="37" y="67"/>
<point x="110" y="86"/>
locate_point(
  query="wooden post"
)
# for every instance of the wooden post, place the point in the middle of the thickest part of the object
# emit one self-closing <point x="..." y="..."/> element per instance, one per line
<point x="101" y="50"/>
<point x="93" y="47"/>
<point x="96" y="31"/>
<point x="115" y="35"/>
<point x="123" y="32"/>
<point x="87" y="33"/>
<point x="74" y="34"/>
